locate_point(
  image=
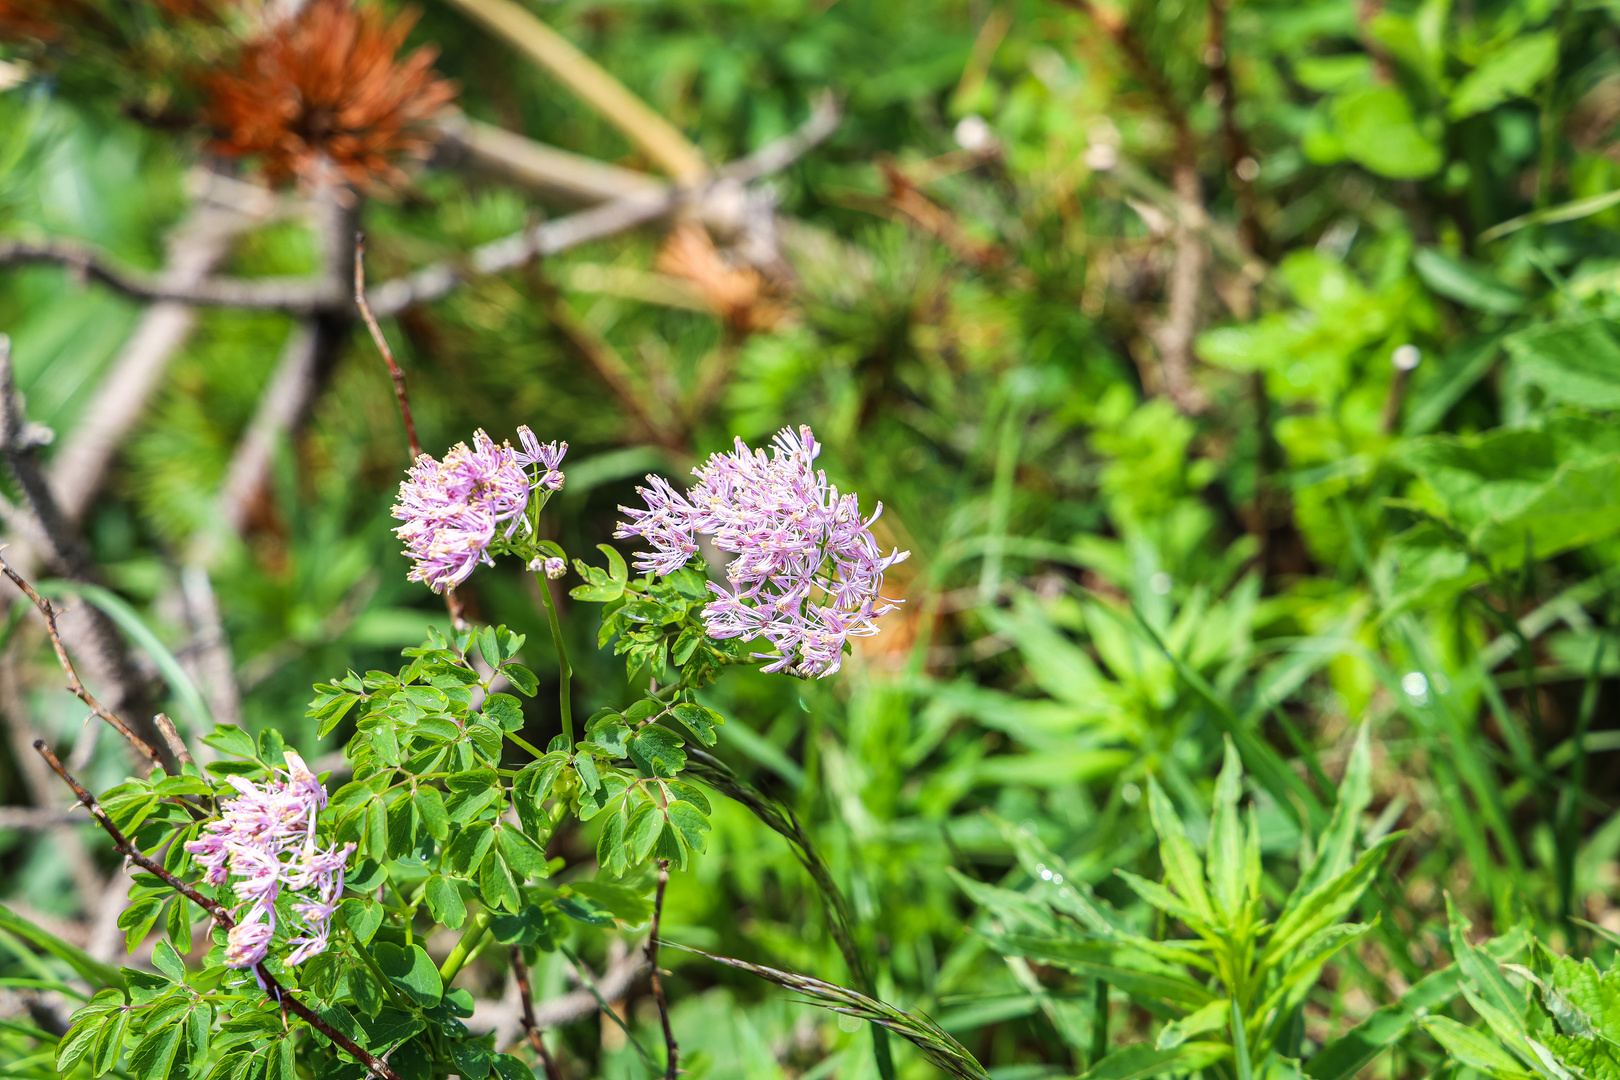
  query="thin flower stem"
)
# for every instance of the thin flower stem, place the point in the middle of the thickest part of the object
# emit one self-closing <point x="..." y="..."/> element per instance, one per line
<point x="382" y="344"/>
<point x="674" y="1051"/>
<point x="520" y="971"/>
<point x="565" y="673"/>
<point x="464" y="948"/>
<point x="526" y="744"/>
<point x="221" y="917"/>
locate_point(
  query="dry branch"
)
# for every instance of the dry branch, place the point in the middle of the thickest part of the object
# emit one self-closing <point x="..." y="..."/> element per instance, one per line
<point x="547" y="171"/>
<point x="394" y="373"/>
<point x="671" y="1049"/>
<point x="221" y="917"/>
<point x="520" y="972"/>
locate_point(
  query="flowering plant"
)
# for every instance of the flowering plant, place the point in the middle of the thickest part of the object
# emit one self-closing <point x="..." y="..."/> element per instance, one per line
<point x="445" y="819"/>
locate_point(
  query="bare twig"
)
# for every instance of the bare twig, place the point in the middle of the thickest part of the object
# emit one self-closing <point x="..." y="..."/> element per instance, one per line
<point x="672" y="1051"/>
<point x="220" y="915"/>
<point x="382" y="345"/>
<point x="1183" y="293"/>
<point x="544" y="170"/>
<point x="325" y="295"/>
<point x="172" y="737"/>
<point x="520" y="971"/>
<point x="74" y="686"/>
<point x="298" y="296"/>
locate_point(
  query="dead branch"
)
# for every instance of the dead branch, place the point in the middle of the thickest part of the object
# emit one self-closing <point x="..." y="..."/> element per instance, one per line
<point x="1240" y="165"/>
<point x="544" y="170"/>
<point x="79" y="468"/>
<point x="327" y="294"/>
<point x="172" y="737"/>
<point x="297" y="296"/>
<point x="220" y="915"/>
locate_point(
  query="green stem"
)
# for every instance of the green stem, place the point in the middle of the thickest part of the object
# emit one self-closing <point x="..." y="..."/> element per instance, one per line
<point x="565" y="674"/>
<point x="464" y="948"/>
<point x="526" y="744"/>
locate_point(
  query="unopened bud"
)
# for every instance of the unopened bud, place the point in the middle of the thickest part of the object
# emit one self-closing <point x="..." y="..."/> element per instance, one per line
<point x="555" y="568"/>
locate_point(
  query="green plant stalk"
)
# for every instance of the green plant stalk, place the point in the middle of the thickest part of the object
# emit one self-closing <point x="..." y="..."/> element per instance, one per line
<point x="565" y="673"/>
<point x="1099" y="1021"/>
<point x="464" y="948"/>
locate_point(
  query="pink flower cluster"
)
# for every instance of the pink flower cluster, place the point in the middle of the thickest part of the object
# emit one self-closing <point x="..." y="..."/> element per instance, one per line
<point x="807" y="575"/>
<point x="266" y="841"/>
<point x="453" y="508"/>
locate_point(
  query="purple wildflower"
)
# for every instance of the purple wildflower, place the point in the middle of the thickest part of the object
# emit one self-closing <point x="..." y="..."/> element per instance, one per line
<point x="452" y="508"/>
<point x="808" y="573"/>
<point x="548" y="455"/>
<point x="555" y="567"/>
<point x="266" y="841"/>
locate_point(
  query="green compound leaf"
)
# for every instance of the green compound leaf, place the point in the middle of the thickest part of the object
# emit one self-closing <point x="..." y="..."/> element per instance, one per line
<point x="504" y="711"/>
<point x="699" y="720"/>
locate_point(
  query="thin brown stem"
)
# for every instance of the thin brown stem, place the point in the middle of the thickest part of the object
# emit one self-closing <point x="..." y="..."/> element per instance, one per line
<point x="520" y="971"/>
<point x="74" y="686"/>
<point x="674" y="1052"/>
<point x="171" y="736"/>
<point x="382" y="344"/>
<point x="217" y="912"/>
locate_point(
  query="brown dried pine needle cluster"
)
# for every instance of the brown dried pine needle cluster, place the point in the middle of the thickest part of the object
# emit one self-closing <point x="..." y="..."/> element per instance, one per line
<point x="326" y="97"/>
<point x="738" y="294"/>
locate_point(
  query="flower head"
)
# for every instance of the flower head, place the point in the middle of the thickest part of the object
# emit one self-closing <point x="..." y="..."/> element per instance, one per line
<point x="265" y="841"/>
<point x="547" y="456"/>
<point x="453" y="508"/>
<point x="327" y="90"/>
<point x="807" y="574"/>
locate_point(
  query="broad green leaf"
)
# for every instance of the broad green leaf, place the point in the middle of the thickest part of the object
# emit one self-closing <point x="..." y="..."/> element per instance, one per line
<point x="699" y="720"/>
<point x="444" y="902"/>
<point x="1467" y="284"/>
<point x="1376" y="129"/>
<point x="642" y="830"/>
<point x="525" y="858"/>
<point x="657" y="751"/>
<point x="1512" y="71"/>
<point x="690" y="822"/>
<point x="410" y="969"/>
<point x="1209" y="1018"/>
<point x="527" y="683"/>
<point x="610" y="845"/>
<point x="166" y="960"/>
<point x="508" y="1067"/>
<point x="362" y="915"/>
<point x="430" y="808"/>
<point x="153" y="1056"/>
<point x="495" y="884"/>
<point x="1574" y="363"/>
<point x="505" y="711"/>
